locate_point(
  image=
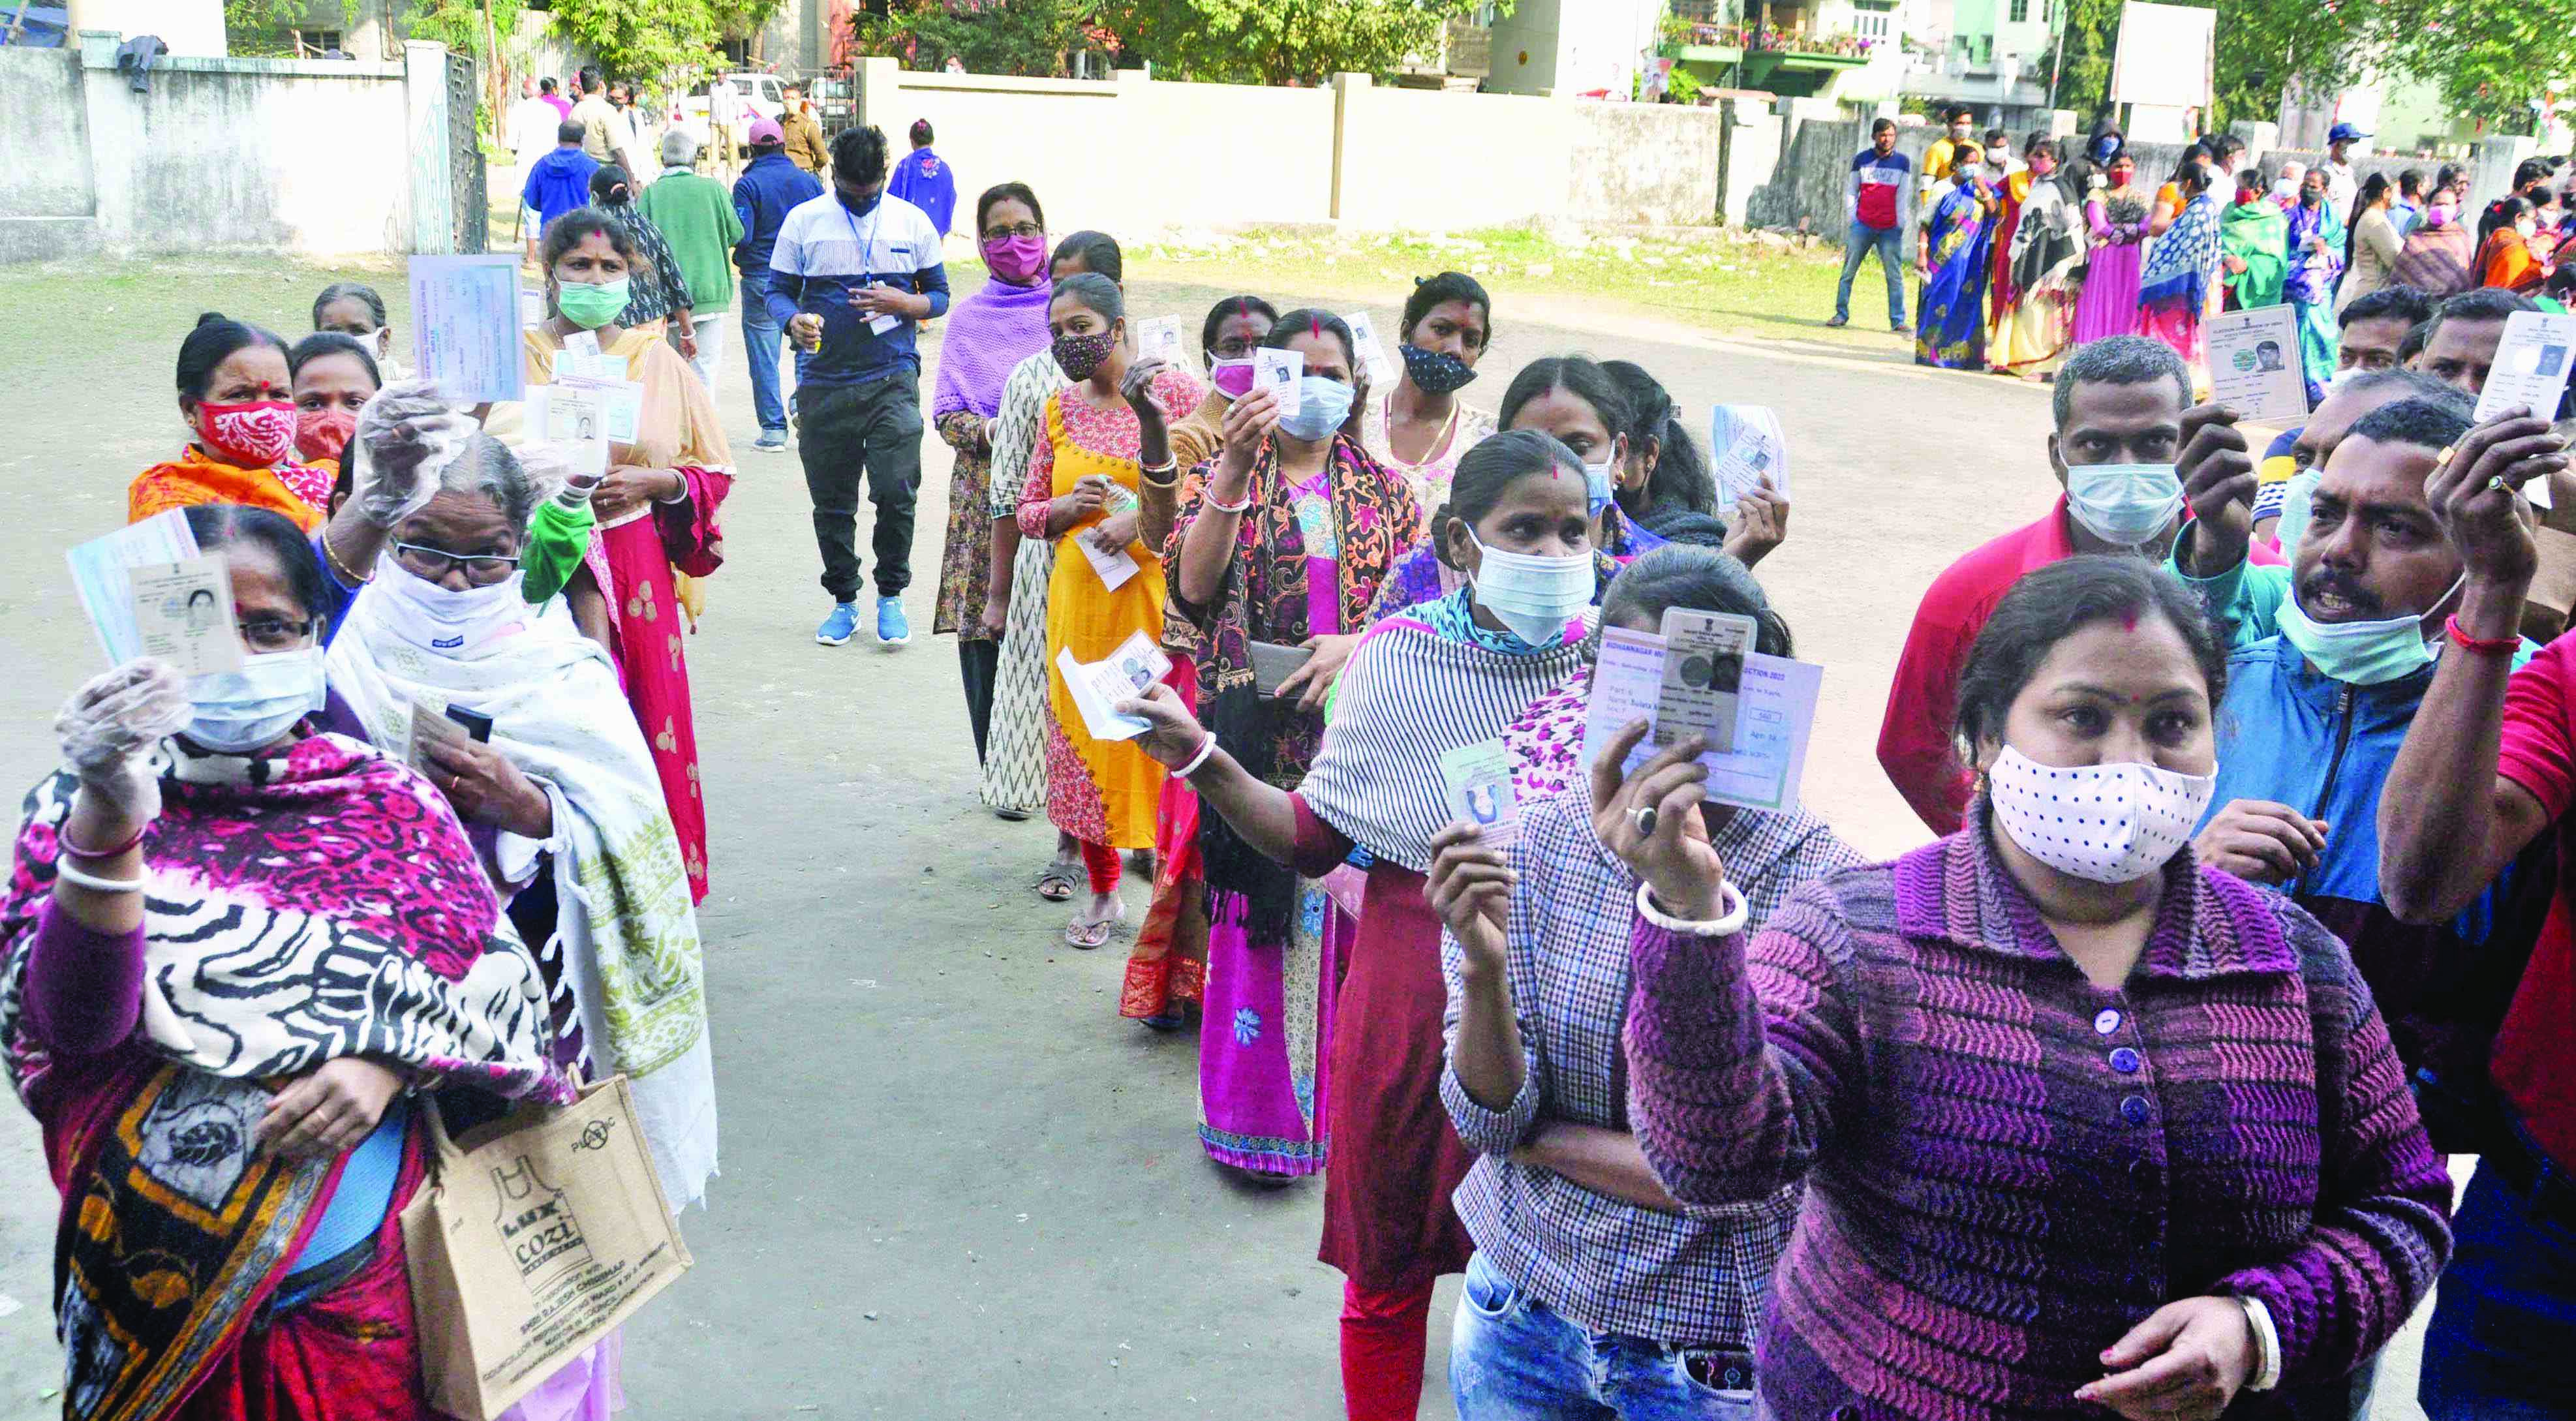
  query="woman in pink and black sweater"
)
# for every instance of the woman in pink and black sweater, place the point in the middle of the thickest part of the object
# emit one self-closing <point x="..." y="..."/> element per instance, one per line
<point x="2086" y="1129"/>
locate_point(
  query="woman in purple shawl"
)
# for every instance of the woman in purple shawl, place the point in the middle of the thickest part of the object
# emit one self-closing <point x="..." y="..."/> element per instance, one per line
<point x="1000" y="324"/>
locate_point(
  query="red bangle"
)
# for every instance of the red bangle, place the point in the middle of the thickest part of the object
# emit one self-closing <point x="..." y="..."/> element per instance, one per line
<point x="63" y="837"/>
<point x="2484" y="646"/>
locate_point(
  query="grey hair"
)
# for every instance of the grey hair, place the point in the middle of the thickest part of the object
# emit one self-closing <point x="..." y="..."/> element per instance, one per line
<point x="2117" y="360"/>
<point x="679" y="150"/>
<point x="2425" y="423"/>
<point x="485" y="468"/>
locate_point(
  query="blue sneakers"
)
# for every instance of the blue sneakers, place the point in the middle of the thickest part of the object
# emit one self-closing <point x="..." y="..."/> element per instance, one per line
<point x="840" y="626"/>
<point x="771" y="441"/>
<point x="892" y="628"/>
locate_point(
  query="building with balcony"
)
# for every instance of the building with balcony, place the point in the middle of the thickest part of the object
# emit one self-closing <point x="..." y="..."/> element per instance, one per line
<point x="1992" y="55"/>
<point x="1850" y="51"/>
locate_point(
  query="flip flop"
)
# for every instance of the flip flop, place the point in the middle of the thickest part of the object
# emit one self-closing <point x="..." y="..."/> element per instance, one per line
<point x="1088" y="937"/>
<point x="1057" y="881"/>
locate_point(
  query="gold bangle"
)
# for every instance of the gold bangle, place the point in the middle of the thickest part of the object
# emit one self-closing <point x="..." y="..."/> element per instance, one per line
<point x="340" y="569"/>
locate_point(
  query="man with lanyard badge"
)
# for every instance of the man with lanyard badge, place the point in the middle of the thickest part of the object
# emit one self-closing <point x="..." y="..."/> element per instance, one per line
<point x="854" y="271"/>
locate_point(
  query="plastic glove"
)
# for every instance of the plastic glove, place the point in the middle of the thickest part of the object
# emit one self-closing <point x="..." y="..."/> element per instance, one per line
<point x="108" y="729"/>
<point x="550" y="469"/>
<point x="406" y="434"/>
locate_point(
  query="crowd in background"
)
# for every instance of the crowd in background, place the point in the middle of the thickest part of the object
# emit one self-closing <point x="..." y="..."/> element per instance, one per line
<point x="2128" y="1094"/>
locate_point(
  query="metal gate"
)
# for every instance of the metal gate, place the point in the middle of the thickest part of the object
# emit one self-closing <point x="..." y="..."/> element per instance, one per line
<point x="471" y="203"/>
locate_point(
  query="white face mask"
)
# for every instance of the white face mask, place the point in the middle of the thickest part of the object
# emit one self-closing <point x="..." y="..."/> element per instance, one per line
<point x="2106" y="823"/>
<point x="2123" y="504"/>
<point x="1534" y="596"/>
<point x="236" y="712"/>
<point x="440" y="619"/>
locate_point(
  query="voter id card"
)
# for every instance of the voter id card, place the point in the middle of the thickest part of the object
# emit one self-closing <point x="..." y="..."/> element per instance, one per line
<point x="184" y="612"/>
<point x="1479" y="779"/>
<point x="1703" y="676"/>
<point x="1159" y="338"/>
<point x="1278" y="371"/>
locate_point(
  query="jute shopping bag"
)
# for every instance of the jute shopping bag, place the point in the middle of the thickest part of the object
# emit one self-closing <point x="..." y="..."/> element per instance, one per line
<point x="532" y="1238"/>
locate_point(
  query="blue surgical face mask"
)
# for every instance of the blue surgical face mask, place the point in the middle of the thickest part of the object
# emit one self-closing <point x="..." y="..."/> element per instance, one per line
<point x="236" y="712"/>
<point x="1598" y="486"/>
<point x="2362" y="653"/>
<point x="2123" y="504"/>
<point x="1322" y="405"/>
<point x="1535" y="596"/>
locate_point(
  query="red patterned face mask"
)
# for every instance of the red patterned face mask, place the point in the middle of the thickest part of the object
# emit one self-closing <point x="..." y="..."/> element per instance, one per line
<point x="254" y="433"/>
<point x="322" y="434"/>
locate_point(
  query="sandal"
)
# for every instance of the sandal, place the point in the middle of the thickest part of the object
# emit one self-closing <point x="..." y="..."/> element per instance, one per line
<point x="1088" y="937"/>
<point x="1058" y="879"/>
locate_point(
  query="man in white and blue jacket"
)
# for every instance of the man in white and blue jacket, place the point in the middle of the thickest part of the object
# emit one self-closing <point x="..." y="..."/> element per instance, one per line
<point x="2331" y="658"/>
<point x="853" y="275"/>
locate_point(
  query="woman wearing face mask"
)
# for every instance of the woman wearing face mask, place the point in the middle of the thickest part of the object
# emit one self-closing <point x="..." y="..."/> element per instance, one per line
<point x="2170" y="198"/>
<point x="657" y="292"/>
<point x="2254" y="246"/>
<point x="1104" y="431"/>
<point x="1574" y="399"/>
<point x="2316" y="263"/>
<point x="228" y="1120"/>
<point x="354" y="310"/>
<point x="2371" y="244"/>
<point x="2438" y="252"/>
<point x="333" y="377"/>
<point x="639" y="591"/>
<point x="2180" y="271"/>
<point x="561" y="797"/>
<point x="1665" y="481"/>
<point x="1167" y="969"/>
<point x="1443" y="677"/>
<point x="2160" y="1222"/>
<point x="238" y="402"/>
<point x="2511" y="257"/>
<point x="2115" y="219"/>
<point x="1957" y="241"/>
<point x="1420" y="428"/>
<point x="2039" y="260"/>
<point x="990" y="330"/>
<point x="1283" y="541"/>
<point x="1015" y="764"/>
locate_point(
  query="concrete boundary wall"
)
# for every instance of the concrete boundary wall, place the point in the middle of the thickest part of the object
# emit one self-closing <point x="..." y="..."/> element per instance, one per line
<point x="268" y="155"/>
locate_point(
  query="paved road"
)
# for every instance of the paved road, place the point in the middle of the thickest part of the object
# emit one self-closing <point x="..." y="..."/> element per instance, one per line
<point x="955" y="1183"/>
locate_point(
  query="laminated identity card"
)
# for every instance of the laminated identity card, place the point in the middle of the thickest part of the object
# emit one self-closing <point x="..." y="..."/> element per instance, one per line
<point x="2530" y="371"/>
<point x="1372" y="351"/>
<point x="1278" y="371"/>
<point x="1479" y="778"/>
<point x="2254" y="365"/>
<point x="1098" y="687"/>
<point x="465" y="325"/>
<point x="1775" y="714"/>
<point x="1159" y="338"/>
<point x="586" y="416"/>
<point x="1749" y="448"/>
<point x="102" y="576"/>
<point x="1703" y="668"/>
<point x="183" y="612"/>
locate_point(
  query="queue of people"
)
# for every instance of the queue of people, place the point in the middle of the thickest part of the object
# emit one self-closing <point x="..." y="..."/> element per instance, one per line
<point x="2127" y="1095"/>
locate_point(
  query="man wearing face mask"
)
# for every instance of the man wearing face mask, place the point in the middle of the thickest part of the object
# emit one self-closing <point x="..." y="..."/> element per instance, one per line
<point x="2292" y="464"/>
<point x="2119" y="405"/>
<point x="2332" y="658"/>
<point x="854" y="273"/>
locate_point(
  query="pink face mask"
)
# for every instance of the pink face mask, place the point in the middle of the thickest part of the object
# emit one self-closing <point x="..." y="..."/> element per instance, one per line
<point x="1017" y="260"/>
<point x="253" y="434"/>
<point x="1233" y="377"/>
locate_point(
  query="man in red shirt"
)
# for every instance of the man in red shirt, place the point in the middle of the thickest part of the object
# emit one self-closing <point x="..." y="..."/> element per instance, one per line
<point x="2488" y="766"/>
<point x="2119" y="406"/>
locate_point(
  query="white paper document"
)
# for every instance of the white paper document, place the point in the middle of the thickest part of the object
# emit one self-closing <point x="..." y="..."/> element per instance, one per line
<point x="2254" y="365"/>
<point x="184" y="613"/>
<point x="1159" y="338"/>
<point x="102" y="575"/>
<point x="1115" y="566"/>
<point x="1749" y="447"/>
<point x="1098" y="687"/>
<point x="465" y="326"/>
<point x="2530" y="371"/>
<point x="1372" y="351"/>
<point x="1775" y="714"/>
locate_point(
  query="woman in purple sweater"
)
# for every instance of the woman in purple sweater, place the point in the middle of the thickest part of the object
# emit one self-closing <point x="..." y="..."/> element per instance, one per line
<point x="2086" y="1129"/>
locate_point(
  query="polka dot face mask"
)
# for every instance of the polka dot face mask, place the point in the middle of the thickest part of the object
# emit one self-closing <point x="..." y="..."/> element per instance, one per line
<point x="2107" y="823"/>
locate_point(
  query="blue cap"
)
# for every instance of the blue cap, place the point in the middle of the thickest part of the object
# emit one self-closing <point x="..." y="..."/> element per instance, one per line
<point x="2345" y="133"/>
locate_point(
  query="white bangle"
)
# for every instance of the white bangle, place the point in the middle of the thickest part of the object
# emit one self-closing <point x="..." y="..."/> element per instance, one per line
<point x="1216" y="505"/>
<point x="68" y="874"/>
<point x="1731" y="917"/>
<point x="2267" y="1344"/>
<point x="1207" y="747"/>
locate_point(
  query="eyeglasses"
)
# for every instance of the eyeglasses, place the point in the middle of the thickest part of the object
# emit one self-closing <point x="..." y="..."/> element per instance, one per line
<point x="1024" y="229"/>
<point x="433" y="563"/>
<point x="277" y="634"/>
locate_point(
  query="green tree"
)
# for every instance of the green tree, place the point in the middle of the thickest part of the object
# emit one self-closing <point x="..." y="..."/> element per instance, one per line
<point x="2262" y="46"/>
<point x="1280" y="41"/>
<point x="2492" y="63"/>
<point x="1024" y="37"/>
<point x="258" y="28"/>
<point x="650" y="40"/>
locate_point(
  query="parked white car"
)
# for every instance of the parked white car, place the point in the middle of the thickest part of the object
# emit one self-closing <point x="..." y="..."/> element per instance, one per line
<point x="761" y="96"/>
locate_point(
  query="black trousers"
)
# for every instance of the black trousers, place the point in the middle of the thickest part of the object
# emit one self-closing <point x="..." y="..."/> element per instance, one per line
<point x="978" y="666"/>
<point x="870" y="432"/>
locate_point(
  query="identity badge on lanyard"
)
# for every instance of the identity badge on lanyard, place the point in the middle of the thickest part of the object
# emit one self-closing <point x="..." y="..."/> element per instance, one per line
<point x="880" y="324"/>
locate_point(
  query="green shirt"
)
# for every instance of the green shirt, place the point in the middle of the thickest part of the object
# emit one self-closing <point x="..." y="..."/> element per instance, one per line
<point x="2245" y="598"/>
<point x="697" y="218"/>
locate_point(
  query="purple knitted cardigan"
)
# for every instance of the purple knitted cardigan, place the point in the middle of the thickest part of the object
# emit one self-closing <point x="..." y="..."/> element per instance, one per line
<point x="2008" y="1167"/>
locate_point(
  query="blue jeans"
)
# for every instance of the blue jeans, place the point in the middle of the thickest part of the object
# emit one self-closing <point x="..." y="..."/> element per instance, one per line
<point x="1859" y="242"/>
<point x="1511" y="1359"/>
<point x="760" y="339"/>
<point x="2497" y="1347"/>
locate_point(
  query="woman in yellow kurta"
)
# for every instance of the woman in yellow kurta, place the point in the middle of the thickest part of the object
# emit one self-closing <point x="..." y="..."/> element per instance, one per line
<point x="1098" y="435"/>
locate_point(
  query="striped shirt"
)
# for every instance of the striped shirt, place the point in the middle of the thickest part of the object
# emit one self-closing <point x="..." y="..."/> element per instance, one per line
<point x="1608" y="1265"/>
<point x="824" y="253"/>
